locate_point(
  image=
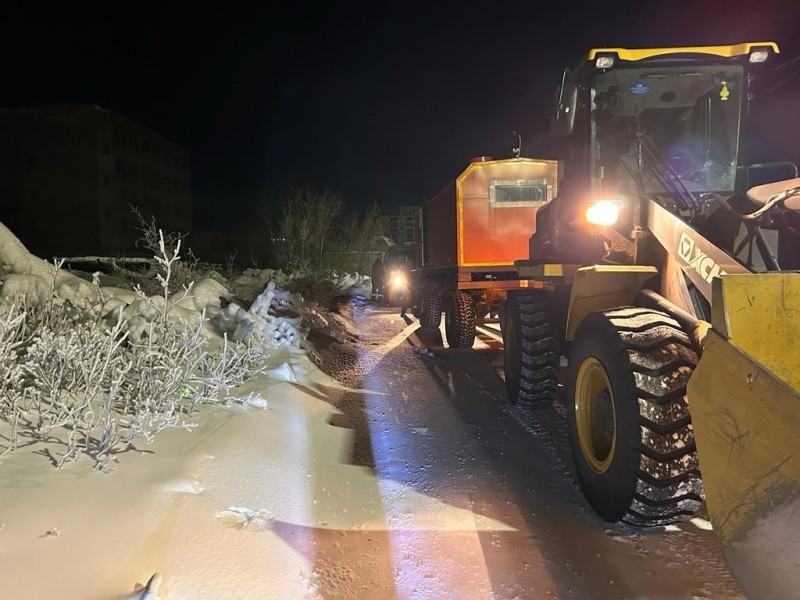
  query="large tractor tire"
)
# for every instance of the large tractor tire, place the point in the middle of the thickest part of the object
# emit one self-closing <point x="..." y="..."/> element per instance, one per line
<point x="431" y="315"/>
<point x="531" y="354"/>
<point x="629" y="424"/>
<point x="459" y="320"/>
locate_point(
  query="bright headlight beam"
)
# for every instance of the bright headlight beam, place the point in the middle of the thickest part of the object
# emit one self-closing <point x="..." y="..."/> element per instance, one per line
<point x="398" y="279"/>
<point x="603" y="213"/>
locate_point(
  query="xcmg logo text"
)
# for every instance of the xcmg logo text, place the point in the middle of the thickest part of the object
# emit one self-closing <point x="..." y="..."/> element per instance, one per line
<point x="697" y="259"/>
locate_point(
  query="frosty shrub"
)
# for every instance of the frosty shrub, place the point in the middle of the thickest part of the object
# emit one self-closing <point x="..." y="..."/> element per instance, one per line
<point x="78" y="384"/>
<point x="188" y="270"/>
<point x="11" y="369"/>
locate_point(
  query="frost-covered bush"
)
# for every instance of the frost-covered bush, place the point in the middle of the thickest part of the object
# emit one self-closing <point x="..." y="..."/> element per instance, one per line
<point x="87" y="370"/>
<point x="188" y="270"/>
<point x="90" y="376"/>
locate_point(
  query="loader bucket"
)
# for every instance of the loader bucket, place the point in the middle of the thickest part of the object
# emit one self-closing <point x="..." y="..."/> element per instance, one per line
<point x="745" y="407"/>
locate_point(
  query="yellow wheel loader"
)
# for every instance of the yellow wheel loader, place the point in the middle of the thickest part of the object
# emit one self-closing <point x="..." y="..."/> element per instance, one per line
<point x="668" y="281"/>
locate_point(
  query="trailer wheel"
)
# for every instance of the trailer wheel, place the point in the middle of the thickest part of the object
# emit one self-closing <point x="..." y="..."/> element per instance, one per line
<point x="629" y="424"/>
<point x="459" y="320"/>
<point x="431" y="311"/>
<point x="531" y="354"/>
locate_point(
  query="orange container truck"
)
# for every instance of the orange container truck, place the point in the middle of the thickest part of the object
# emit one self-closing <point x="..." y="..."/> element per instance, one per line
<point x="470" y="234"/>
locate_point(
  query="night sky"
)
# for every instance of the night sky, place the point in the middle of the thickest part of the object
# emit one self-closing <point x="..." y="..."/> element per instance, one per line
<point x="382" y="102"/>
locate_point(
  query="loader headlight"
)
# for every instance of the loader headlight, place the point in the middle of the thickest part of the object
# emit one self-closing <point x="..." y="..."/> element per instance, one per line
<point x="604" y="62"/>
<point x="603" y="212"/>
<point x="761" y="53"/>
<point x="759" y="56"/>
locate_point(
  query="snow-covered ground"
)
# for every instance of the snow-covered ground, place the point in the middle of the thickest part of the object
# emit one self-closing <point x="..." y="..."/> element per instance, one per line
<point x="197" y="507"/>
<point x="194" y="513"/>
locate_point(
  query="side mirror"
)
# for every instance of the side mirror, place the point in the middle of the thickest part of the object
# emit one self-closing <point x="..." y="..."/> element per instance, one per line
<point x="566" y="101"/>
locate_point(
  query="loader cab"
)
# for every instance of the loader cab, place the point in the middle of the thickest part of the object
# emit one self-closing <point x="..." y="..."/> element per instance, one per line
<point x="661" y="124"/>
<point x="653" y="130"/>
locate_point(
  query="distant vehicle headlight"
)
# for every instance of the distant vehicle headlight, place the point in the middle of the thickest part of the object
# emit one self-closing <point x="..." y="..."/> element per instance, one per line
<point x="603" y="212"/>
<point x="398" y="279"/>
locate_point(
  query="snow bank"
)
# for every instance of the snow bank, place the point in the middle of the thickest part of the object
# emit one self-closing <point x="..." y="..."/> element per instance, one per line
<point x="276" y="317"/>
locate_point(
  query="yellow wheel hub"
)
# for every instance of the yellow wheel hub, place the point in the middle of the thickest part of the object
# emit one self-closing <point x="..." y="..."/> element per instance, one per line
<point x="595" y="415"/>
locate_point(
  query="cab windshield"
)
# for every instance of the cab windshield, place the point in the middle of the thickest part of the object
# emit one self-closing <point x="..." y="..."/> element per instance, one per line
<point x="657" y="128"/>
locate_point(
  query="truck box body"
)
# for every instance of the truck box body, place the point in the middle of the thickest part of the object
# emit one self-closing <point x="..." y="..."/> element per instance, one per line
<point x="485" y="217"/>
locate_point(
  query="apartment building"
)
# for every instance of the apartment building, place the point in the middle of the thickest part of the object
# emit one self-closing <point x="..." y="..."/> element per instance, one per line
<point x="70" y="173"/>
<point x="399" y="226"/>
